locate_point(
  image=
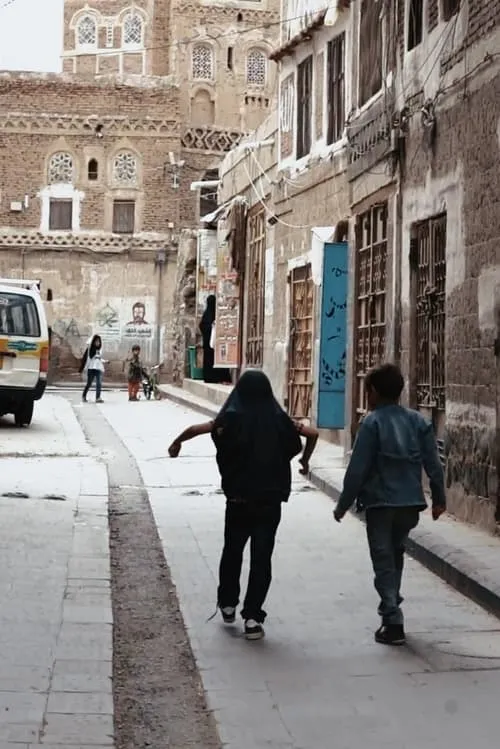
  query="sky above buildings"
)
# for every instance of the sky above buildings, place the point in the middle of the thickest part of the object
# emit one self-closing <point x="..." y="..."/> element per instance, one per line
<point x="31" y="35"/>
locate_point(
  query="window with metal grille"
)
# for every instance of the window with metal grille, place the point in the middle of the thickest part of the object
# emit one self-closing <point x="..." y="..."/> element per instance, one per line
<point x="132" y="30"/>
<point x="300" y="358"/>
<point x="60" y="215"/>
<point x="428" y="263"/>
<point x="203" y="62"/>
<point x="336" y="89"/>
<point x="370" y="50"/>
<point x="256" y="239"/>
<point x="415" y="23"/>
<point x="450" y="8"/>
<point x="371" y="262"/>
<point x="123" y="216"/>
<point x="86" y="32"/>
<point x="256" y="68"/>
<point x="304" y="106"/>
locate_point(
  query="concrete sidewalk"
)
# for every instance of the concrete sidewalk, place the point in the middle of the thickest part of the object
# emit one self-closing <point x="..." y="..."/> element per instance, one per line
<point x="55" y="616"/>
<point x="318" y="679"/>
<point x="465" y="557"/>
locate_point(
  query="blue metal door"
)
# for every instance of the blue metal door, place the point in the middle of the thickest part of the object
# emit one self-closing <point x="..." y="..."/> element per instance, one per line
<point x="332" y="367"/>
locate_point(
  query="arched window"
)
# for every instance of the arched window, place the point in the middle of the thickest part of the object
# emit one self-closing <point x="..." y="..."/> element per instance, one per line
<point x="203" y="62"/>
<point x="86" y="32"/>
<point x="61" y="169"/>
<point x="132" y="30"/>
<point x="256" y="68"/>
<point x="125" y="169"/>
<point x="93" y="170"/>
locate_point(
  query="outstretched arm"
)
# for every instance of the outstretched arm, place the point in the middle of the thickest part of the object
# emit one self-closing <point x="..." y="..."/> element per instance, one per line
<point x="188" y="434"/>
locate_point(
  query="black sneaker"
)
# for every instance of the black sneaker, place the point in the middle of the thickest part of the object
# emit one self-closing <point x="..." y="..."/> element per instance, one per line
<point x="390" y="634"/>
<point x="253" y="630"/>
<point x="228" y="614"/>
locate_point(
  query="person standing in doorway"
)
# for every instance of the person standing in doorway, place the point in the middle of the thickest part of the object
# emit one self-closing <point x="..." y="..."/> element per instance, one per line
<point x="255" y="441"/>
<point x="384" y="475"/>
<point x="92" y="364"/>
<point x="211" y="374"/>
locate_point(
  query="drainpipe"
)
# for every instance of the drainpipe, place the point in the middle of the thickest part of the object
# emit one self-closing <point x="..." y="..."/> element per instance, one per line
<point x="160" y="263"/>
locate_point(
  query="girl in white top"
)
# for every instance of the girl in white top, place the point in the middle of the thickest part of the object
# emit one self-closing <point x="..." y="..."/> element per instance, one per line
<point x="93" y="364"/>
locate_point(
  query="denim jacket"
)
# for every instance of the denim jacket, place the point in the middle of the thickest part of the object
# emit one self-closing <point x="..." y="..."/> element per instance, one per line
<point x="392" y="447"/>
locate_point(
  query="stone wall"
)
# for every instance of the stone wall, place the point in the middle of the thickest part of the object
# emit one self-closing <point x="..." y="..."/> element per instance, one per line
<point x="95" y="292"/>
<point x="457" y="172"/>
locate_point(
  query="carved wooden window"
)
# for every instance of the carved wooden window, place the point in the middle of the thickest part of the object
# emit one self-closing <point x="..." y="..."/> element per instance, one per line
<point x="61" y="168"/>
<point x="60" y="215"/>
<point x="132" y="30"/>
<point x="415" y="23"/>
<point x="86" y="32"/>
<point x="301" y="343"/>
<point x="125" y="169"/>
<point x="123" y="216"/>
<point x="256" y="238"/>
<point x="203" y="62"/>
<point x="336" y="89"/>
<point x="256" y="68"/>
<point x="304" y="106"/>
<point x="450" y="8"/>
<point x="370" y="50"/>
<point x="428" y="262"/>
<point x="371" y="262"/>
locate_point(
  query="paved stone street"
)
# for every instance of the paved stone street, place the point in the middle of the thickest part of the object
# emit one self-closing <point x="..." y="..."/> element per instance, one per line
<point x="318" y="679"/>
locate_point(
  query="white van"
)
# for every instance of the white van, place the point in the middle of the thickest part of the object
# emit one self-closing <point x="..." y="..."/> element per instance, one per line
<point x="24" y="348"/>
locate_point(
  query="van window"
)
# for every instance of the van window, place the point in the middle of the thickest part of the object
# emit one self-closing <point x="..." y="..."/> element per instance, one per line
<point x="18" y="315"/>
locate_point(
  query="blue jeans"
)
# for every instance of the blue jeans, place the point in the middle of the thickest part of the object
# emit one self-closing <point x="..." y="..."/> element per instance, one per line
<point x="93" y="374"/>
<point x="387" y="530"/>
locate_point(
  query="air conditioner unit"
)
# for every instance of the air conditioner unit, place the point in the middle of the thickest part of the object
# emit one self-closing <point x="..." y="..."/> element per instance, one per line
<point x="16" y="206"/>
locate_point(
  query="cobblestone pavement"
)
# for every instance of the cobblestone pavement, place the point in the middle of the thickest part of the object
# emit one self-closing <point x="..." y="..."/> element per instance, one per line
<point x="55" y="617"/>
<point x="318" y="679"/>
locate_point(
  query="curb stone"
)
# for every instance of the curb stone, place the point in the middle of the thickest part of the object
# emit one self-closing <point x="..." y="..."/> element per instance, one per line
<point x="457" y="567"/>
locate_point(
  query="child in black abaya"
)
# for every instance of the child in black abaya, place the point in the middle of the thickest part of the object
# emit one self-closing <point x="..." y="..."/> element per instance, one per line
<point x="255" y="441"/>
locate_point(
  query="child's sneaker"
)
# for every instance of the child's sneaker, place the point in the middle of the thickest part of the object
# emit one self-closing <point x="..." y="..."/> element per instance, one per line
<point x="390" y="634"/>
<point x="228" y="614"/>
<point x="253" y="630"/>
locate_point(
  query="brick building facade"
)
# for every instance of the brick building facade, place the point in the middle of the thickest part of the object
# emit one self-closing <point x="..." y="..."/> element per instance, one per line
<point x="98" y="161"/>
<point x="415" y="174"/>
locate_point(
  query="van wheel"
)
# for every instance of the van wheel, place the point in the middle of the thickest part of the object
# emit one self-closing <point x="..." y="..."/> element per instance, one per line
<point x="24" y="414"/>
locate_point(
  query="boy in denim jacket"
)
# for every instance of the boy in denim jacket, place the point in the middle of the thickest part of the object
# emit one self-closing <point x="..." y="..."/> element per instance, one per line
<point x="384" y="475"/>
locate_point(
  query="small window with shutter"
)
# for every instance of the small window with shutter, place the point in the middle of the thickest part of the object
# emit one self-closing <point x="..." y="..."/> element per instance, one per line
<point x="123" y="216"/>
<point x="61" y="215"/>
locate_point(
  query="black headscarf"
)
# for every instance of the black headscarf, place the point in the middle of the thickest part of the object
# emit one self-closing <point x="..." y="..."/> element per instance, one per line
<point x="208" y="317"/>
<point x="255" y="438"/>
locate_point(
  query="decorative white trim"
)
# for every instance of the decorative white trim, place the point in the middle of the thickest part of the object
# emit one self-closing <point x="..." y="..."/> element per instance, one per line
<point x="60" y="192"/>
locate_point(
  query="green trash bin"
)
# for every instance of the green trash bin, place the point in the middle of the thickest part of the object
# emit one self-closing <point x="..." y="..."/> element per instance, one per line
<point x="195" y="372"/>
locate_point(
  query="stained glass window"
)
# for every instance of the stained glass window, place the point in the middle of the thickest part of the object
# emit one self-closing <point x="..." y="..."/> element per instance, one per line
<point x="61" y="168"/>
